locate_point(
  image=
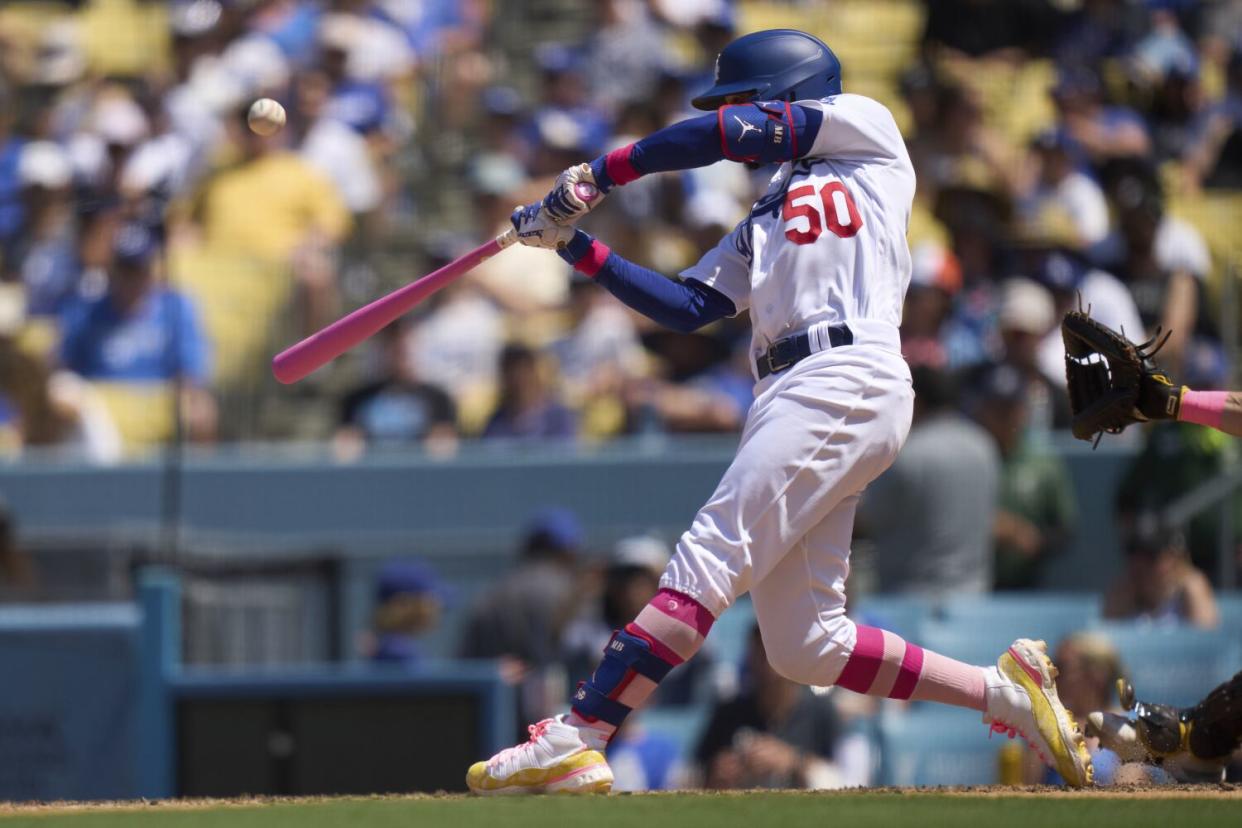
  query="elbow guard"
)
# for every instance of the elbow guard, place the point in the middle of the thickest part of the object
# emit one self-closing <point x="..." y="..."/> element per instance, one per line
<point x="761" y="133"/>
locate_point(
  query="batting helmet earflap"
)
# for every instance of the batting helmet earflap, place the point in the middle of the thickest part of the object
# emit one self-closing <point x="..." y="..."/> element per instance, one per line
<point x="773" y="65"/>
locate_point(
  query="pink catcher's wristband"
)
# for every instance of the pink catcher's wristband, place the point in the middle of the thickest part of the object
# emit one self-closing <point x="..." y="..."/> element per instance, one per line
<point x="1203" y="407"/>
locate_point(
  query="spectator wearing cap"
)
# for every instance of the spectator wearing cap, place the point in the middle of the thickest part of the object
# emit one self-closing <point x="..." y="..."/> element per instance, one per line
<point x="1026" y="319"/>
<point x="565" y="127"/>
<point x="1096" y="132"/>
<point x="930" y="515"/>
<point x="1056" y="180"/>
<point x="1177" y="245"/>
<point x="115" y="128"/>
<point x="336" y="141"/>
<point x="45" y="257"/>
<point x="1098" y="30"/>
<point x="521" y="618"/>
<point x="1035" y="511"/>
<point x="1164" y="68"/>
<point x="1159" y="583"/>
<point x="408" y="603"/>
<point x="1164" y="263"/>
<point x="141" y="331"/>
<point x="524" y="613"/>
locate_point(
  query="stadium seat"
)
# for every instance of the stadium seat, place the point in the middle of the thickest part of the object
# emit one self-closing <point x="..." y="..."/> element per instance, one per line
<point x="728" y="637"/>
<point x="936" y="745"/>
<point x="142" y="412"/>
<point x="1174" y="665"/>
<point x="973" y="645"/>
<point x="1006" y="616"/>
<point x="902" y="614"/>
<point x="684" y="725"/>
<point x="1230" y="605"/>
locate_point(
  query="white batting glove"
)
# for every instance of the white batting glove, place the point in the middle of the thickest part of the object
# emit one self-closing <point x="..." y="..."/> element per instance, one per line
<point x="574" y="194"/>
<point x="535" y="229"/>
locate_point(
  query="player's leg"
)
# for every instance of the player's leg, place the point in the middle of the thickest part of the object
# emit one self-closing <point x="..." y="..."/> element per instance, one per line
<point x="800" y="607"/>
<point x="826" y="430"/>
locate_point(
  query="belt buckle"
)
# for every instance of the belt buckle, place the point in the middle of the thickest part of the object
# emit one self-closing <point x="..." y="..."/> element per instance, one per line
<point x="777" y="361"/>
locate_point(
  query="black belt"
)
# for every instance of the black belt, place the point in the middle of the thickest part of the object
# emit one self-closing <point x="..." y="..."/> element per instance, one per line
<point x="788" y="352"/>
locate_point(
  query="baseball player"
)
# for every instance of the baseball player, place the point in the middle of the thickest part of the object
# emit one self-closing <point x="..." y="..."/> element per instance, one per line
<point x="822" y="265"/>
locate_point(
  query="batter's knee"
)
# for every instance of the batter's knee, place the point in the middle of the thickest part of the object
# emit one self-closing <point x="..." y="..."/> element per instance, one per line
<point x="815" y="657"/>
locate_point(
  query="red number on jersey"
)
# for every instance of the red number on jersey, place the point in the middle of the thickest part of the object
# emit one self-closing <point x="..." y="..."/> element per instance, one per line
<point x="839" y="208"/>
<point x="842" y="214"/>
<point x="790" y="211"/>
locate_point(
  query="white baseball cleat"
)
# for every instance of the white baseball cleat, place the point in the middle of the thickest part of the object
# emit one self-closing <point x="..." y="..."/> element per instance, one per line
<point x="554" y="760"/>
<point x="1022" y="700"/>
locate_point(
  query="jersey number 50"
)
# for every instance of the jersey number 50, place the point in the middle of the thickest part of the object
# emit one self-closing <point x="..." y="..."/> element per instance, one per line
<point x="839" y="211"/>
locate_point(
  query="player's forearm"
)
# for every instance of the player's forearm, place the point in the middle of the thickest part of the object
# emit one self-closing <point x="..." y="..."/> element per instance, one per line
<point x="1218" y="409"/>
<point x="743" y="132"/>
<point x="682" y="306"/>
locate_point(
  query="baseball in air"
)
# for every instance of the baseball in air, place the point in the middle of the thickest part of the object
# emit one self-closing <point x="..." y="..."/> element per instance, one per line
<point x="266" y="117"/>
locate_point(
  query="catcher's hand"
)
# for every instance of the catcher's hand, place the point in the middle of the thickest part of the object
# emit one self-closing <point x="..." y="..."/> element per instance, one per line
<point x="1112" y="381"/>
<point x="1159" y="734"/>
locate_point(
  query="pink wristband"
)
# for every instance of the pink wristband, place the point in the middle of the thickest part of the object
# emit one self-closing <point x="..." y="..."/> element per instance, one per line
<point x="590" y="264"/>
<point x="1203" y="407"/>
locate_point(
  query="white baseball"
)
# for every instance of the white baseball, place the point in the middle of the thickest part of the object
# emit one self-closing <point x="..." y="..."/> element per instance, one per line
<point x="266" y="117"/>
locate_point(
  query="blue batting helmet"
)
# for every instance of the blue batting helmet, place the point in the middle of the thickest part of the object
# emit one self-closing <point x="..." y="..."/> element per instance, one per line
<point x="774" y="65"/>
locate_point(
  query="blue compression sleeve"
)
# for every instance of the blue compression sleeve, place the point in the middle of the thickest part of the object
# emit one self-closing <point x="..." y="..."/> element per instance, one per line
<point x="750" y="132"/>
<point x="683" y="306"/>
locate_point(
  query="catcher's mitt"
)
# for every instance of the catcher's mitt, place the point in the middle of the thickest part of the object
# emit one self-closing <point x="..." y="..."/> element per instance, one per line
<point x="1112" y="381"/>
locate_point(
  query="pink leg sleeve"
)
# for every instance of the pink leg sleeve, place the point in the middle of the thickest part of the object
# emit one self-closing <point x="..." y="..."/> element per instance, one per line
<point x="884" y="664"/>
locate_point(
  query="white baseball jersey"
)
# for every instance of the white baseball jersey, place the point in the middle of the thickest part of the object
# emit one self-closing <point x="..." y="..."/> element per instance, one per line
<point x="827" y="242"/>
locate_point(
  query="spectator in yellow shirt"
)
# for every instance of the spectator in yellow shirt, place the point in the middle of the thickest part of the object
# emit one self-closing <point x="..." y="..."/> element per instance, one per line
<point x="272" y="207"/>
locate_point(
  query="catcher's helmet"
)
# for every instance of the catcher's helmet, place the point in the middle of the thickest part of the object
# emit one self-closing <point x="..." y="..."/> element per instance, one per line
<point x="774" y="65"/>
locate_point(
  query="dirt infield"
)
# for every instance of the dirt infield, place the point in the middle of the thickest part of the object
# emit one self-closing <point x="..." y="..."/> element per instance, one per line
<point x="1223" y="791"/>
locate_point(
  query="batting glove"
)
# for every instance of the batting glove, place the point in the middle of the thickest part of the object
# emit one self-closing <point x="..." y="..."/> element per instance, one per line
<point x="535" y="229"/>
<point x="574" y="194"/>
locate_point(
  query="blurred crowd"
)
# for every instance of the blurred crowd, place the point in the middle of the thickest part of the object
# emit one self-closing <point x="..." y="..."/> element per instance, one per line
<point x="155" y="252"/>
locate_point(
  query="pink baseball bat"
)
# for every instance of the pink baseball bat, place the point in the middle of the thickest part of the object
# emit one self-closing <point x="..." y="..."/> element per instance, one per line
<point x="320" y="348"/>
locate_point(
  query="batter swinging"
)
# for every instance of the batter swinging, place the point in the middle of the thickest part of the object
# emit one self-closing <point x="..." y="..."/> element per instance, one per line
<point x="822" y="265"/>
